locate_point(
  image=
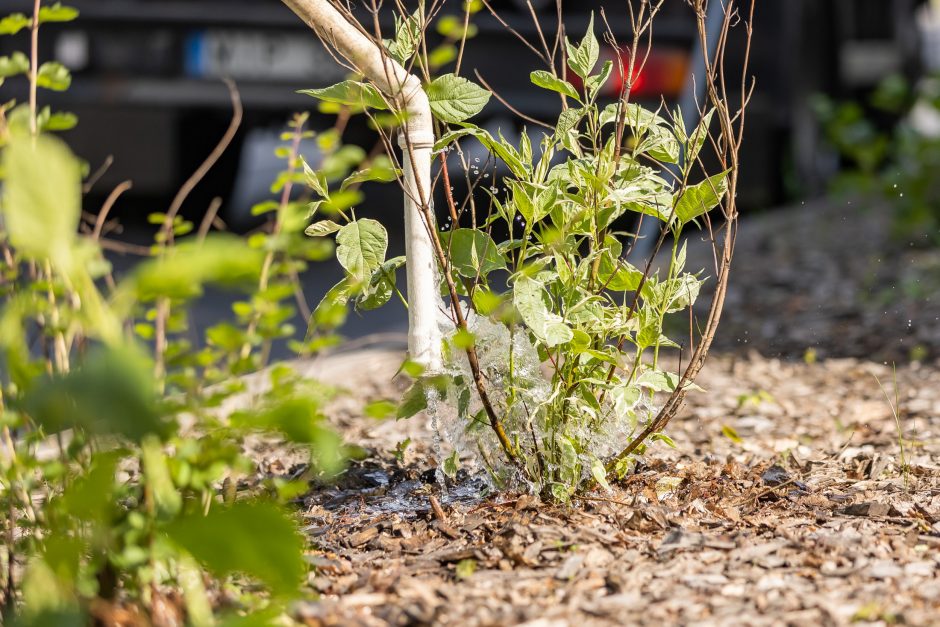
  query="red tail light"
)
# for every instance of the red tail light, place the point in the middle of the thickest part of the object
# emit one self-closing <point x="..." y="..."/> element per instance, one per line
<point x="663" y="74"/>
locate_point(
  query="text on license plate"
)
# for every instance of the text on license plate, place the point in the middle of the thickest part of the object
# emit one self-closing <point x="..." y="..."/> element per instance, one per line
<point x="243" y="54"/>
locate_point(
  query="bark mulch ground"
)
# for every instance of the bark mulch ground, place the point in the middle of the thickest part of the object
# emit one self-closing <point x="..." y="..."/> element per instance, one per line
<point x="784" y="503"/>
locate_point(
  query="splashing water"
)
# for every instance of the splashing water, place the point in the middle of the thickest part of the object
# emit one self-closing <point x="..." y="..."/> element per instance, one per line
<point x="522" y="396"/>
<point x="433" y="413"/>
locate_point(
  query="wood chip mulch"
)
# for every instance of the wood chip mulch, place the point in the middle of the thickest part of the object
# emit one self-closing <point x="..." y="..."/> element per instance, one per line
<point x="784" y="503"/>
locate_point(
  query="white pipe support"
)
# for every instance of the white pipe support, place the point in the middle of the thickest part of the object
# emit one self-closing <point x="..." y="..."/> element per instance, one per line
<point x="405" y="91"/>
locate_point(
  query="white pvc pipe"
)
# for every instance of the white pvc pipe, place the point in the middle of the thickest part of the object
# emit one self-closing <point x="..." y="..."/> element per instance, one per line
<point x="403" y="89"/>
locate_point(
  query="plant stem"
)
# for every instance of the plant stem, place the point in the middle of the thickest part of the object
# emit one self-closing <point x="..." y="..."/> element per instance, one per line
<point x="278" y="224"/>
<point x="34" y="70"/>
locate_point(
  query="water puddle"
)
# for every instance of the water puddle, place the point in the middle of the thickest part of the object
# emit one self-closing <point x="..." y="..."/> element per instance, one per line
<point x="371" y="489"/>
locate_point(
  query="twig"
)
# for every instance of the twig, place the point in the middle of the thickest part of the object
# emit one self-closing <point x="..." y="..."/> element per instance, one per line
<point x="206" y="165"/>
<point x="729" y="158"/>
<point x="209" y="219"/>
<point x="34" y="69"/>
<point x="97" y="174"/>
<point x="106" y="207"/>
<point x="506" y="104"/>
<point x="438" y="510"/>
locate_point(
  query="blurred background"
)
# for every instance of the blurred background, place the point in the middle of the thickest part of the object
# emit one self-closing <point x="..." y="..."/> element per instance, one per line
<point x="841" y="132"/>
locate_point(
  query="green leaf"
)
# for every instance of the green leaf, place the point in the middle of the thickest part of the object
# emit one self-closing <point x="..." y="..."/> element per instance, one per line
<point x="597" y="81"/>
<point x="599" y="473"/>
<point x="681" y="292"/>
<point x="331" y="311"/>
<point x="361" y="247"/>
<point x="376" y="172"/>
<point x="451" y="465"/>
<point x="59" y="121"/>
<point x="57" y="13"/>
<point x="665" y="439"/>
<point x="166" y="499"/>
<point x="472" y="253"/>
<point x="380" y="409"/>
<point x="658" y="380"/>
<point x="451" y="26"/>
<point x="531" y="299"/>
<point x="257" y="539"/>
<point x="350" y="93"/>
<point x="16" y="63"/>
<point x="442" y="55"/>
<point x="618" y="274"/>
<point x="465" y="568"/>
<point x="729" y="432"/>
<point x="583" y="58"/>
<point x="184" y="269"/>
<point x="625" y="397"/>
<point x="701" y="198"/>
<point x="455" y="99"/>
<point x="501" y="148"/>
<point x="300" y="420"/>
<point x="54" y="76"/>
<point x="322" y="228"/>
<point x="546" y="80"/>
<point x="697" y="140"/>
<point x="661" y="144"/>
<point x="41" y="197"/>
<point x="381" y="286"/>
<point x="416" y="398"/>
<point x="14" y="23"/>
<point x="111" y="393"/>
<point x="90" y="497"/>
<point x="315" y="180"/>
<point x="568" y="121"/>
<point x="407" y="37"/>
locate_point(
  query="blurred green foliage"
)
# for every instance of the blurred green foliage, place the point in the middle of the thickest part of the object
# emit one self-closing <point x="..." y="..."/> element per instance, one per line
<point x="890" y="148"/>
<point x="120" y="475"/>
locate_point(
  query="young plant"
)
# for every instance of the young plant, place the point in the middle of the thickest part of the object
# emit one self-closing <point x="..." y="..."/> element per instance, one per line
<point x="559" y="380"/>
<point x="120" y="476"/>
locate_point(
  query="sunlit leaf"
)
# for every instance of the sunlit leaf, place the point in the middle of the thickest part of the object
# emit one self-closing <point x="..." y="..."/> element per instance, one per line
<point x="184" y="269"/>
<point x="257" y="539"/>
<point x="351" y="93"/>
<point x="54" y="76"/>
<point x="472" y="253"/>
<point x="322" y="228"/>
<point x="16" y="63"/>
<point x="530" y="298"/>
<point x="702" y="198"/>
<point x="57" y="13"/>
<point x="546" y="80"/>
<point x="455" y="99"/>
<point x="361" y="247"/>
<point x="41" y="197"/>
<point x="583" y="58"/>
<point x="111" y="393"/>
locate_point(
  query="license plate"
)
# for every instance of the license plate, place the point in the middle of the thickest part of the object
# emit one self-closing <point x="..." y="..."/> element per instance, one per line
<point x="249" y="55"/>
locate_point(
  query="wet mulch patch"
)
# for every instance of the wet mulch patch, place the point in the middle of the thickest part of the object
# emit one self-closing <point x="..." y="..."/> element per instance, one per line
<point x="784" y="503"/>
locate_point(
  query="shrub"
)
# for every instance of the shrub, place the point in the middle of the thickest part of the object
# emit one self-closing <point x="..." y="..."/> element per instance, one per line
<point x="120" y="479"/>
<point x="573" y="304"/>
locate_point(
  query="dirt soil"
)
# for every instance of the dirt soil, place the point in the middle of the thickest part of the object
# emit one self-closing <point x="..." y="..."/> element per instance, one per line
<point x="784" y="503"/>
